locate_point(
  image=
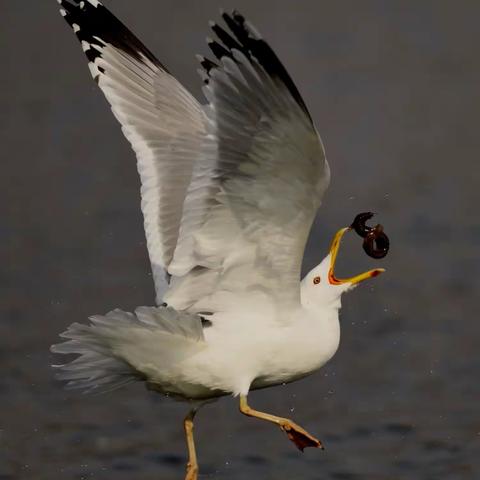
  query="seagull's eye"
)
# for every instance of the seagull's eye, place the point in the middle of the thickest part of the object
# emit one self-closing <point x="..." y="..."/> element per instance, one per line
<point x="316" y="280"/>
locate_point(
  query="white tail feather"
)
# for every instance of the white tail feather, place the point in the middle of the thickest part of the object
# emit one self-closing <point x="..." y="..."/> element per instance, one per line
<point x="105" y="345"/>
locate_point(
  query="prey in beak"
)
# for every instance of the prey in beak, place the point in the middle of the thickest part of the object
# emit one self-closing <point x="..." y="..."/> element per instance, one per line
<point x="333" y="280"/>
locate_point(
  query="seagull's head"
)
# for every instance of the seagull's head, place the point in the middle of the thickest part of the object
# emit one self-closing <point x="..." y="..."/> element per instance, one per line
<point x="321" y="287"/>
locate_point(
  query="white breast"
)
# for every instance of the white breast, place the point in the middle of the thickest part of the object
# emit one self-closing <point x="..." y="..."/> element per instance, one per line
<point x="247" y="358"/>
<point x="299" y="350"/>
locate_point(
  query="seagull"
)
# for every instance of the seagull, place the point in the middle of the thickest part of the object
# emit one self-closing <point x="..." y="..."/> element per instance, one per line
<point x="229" y="190"/>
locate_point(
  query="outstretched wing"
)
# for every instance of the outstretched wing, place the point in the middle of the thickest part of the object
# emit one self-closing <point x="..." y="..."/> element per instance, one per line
<point x="163" y="122"/>
<point x="229" y="192"/>
<point x="256" y="189"/>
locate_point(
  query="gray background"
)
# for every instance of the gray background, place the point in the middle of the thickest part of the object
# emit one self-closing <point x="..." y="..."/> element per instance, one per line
<point x="393" y="87"/>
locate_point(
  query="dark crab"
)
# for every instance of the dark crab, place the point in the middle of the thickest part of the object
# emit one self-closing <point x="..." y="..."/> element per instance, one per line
<point x="375" y="241"/>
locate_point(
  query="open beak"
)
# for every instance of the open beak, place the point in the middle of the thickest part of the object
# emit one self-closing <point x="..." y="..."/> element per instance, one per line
<point x="334" y="252"/>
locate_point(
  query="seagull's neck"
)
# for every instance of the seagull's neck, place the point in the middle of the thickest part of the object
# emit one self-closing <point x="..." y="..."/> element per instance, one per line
<point x="321" y="306"/>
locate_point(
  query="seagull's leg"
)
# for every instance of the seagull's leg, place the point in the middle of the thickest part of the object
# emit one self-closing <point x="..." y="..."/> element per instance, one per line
<point x="192" y="465"/>
<point x="300" y="437"/>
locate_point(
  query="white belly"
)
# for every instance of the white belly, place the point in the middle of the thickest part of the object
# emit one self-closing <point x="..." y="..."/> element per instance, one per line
<point x="256" y="357"/>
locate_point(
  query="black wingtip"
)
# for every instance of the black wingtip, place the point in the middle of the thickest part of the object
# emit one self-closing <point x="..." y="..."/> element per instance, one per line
<point x="237" y="16"/>
<point x="218" y="50"/>
<point x="96" y="25"/>
<point x="224" y="37"/>
<point x="207" y="64"/>
<point x="244" y="38"/>
<point x="257" y="47"/>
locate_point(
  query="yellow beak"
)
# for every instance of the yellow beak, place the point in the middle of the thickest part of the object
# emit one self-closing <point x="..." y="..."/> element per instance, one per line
<point x="334" y="252"/>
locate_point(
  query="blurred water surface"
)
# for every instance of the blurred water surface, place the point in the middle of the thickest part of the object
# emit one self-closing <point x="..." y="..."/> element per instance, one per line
<point x="393" y="87"/>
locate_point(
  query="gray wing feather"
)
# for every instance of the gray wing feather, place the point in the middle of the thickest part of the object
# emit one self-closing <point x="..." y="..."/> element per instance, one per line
<point x="256" y="190"/>
<point x="163" y="122"/>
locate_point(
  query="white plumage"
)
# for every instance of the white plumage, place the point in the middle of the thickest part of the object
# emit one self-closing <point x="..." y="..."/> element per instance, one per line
<point x="229" y="194"/>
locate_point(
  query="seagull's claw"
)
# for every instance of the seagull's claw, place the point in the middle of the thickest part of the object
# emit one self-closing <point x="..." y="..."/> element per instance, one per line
<point x="300" y="437"/>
